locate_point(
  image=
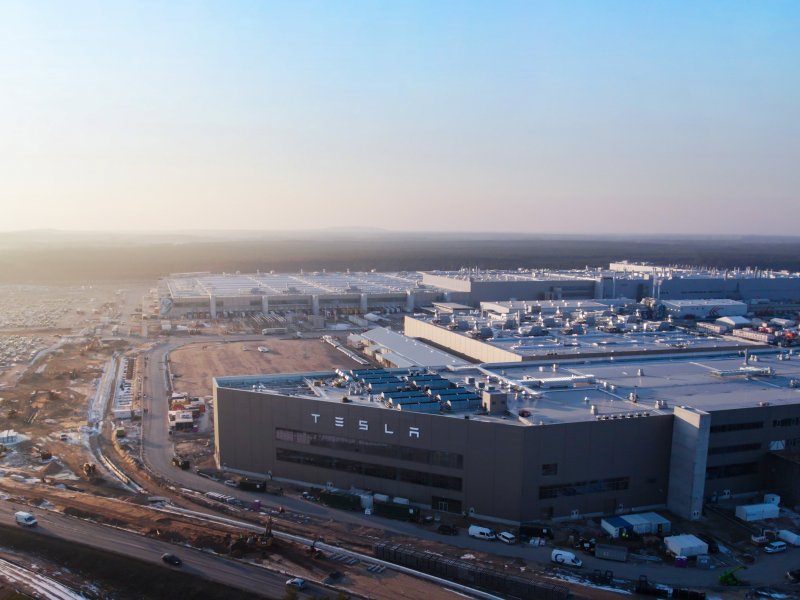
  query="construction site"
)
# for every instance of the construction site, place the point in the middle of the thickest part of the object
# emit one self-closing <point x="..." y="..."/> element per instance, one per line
<point x="72" y="424"/>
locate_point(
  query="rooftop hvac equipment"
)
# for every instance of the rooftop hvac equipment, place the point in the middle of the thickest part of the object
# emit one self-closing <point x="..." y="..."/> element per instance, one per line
<point x="747" y="371"/>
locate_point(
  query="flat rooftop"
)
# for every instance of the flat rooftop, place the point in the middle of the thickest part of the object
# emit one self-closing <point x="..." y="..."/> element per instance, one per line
<point x="594" y="342"/>
<point x="274" y="284"/>
<point x="578" y="391"/>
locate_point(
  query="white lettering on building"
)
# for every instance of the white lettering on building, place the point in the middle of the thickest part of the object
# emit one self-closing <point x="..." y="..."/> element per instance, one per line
<point x="363" y="425"/>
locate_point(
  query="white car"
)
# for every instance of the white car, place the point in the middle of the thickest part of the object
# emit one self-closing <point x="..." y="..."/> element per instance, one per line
<point x="297" y="583"/>
<point x="774" y="547"/>
<point x="507" y="537"/>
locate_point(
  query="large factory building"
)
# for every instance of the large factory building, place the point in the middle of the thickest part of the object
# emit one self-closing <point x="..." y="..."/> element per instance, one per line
<point x="204" y="295"/>
<point x="521" y="442"/>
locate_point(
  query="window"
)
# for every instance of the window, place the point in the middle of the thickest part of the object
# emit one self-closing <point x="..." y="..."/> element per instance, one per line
<point x="437" y="458"/>
<point x="737" y="426"/>
<point x="735" y="470"/>
<point x="582" y="488"/>
<point x="369" y="469"/>
<point x="550" y="469"/>
<point x="734" y="448"/>
<point x="788" y="422"/>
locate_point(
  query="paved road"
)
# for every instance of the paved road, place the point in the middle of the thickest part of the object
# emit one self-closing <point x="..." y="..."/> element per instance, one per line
<point x="233" y="573"/>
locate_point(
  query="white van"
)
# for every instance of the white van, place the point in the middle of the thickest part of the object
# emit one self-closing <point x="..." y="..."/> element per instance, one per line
<point x="482" y="533"/>
<point x="566" y="558"/>
<point x="26" y="519"/>
<point x="774" y="547"/>
<point x="506" y="537"/>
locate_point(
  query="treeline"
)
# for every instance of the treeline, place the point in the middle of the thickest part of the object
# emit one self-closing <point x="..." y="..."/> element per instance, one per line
<point x="61" y="265"/>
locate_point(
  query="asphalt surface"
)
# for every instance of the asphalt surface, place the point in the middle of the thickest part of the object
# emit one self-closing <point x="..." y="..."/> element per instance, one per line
<point x="236" y="574"/>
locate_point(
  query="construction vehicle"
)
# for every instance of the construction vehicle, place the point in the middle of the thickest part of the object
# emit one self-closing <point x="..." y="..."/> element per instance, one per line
<point x="182" y="463"/>
<point x="90" y="470"/>
<point x="44" y="454"/>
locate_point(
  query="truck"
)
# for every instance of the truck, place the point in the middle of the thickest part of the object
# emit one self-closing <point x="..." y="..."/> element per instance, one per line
<point x="25" y="519"/>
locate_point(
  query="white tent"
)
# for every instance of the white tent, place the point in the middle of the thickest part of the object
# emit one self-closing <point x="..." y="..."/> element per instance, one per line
<point x="685" y="545"/>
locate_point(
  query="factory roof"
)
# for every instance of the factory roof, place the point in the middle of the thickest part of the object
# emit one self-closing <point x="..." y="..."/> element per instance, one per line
<point x="528" y="343"/>
<point x="205" y="284"/>
<point x="569" y="392"/>
<point x="703" y="302"/>
<point x="412" y="352"/>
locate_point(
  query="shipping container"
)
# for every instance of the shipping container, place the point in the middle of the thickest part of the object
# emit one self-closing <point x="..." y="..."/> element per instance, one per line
<point x="611" y="552"/>
<point x="341" y="500"/>
<point x="252" y="485"/>
<point x="757" y="512"/>
<point x="393" y="510"/>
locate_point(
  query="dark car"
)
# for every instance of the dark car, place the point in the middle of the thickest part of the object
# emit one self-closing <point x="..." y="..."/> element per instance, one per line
<point x="334" y="577"/>
<point x="171" y="559"/>
<point x="446" y="529"/>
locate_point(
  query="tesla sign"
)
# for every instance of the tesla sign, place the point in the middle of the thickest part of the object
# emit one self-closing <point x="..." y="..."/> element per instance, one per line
<point x="363" y="425"/>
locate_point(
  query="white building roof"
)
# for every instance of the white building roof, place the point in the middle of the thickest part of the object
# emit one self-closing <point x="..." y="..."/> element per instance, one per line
<point x="414" y="352"/>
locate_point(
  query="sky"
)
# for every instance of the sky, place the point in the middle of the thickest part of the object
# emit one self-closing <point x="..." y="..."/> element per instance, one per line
<point x="541" y="117"/>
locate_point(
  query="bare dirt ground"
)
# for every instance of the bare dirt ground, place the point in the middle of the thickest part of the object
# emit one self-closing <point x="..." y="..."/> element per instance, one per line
<point x="194" y="365"/>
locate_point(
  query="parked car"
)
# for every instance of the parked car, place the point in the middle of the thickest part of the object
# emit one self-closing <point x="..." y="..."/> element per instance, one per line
<point x="566" y="558"/>
<point x="774" y="547"/>
<point x="171" y="559"/>
<point x="334" y="577"/>
<point x="447" y="529"/>
<point x="482" y="533"/>
<point x="297" y="583"/>
<point x="507" y="537"/>
<point x="25" y="518"/>
<point x="231" y="483"/>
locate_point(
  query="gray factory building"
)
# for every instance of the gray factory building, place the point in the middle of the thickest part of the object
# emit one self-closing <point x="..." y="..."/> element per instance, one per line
<point x="523" y="442"/>
<point x="621" y="280"/>
<point x="205" y="295"/>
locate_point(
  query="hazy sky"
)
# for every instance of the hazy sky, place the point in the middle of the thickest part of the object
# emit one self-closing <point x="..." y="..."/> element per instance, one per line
<point x="510" y="116"/>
